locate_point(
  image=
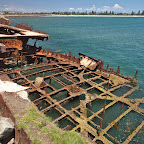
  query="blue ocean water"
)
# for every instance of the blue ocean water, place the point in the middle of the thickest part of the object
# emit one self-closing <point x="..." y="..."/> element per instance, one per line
<point x="115" y="40"/>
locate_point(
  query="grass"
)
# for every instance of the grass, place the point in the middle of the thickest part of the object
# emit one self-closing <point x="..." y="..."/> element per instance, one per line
<point x="39" y="122"/>
<point x="66" y="137"/>
<point x="35" y="140"/>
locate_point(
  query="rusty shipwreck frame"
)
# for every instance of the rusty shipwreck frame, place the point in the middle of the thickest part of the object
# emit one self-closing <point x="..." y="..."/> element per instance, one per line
<point x="68" y="67"/>
<point x="52" y="67"/>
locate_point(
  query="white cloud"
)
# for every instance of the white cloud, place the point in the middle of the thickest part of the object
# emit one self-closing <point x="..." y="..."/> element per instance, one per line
<point x="71" y="9"/>
<point x="104" y="8"/>
<point x="10" y="8"/>
<point x="79" y="9"/>
<point x="13" y="8"/>
<point x="93" y="8"/>
<point x="117" y="6"/>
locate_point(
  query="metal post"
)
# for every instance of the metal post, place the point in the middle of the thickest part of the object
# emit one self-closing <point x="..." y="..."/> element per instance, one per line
<point x="21" y="59"/>
<point x="118" y="70"/>
<point x="46" y="91"/>
<point x="136" y="74"/>
<point x="50" y="80"/>
<point x="103" y="109"/>
<point x="119" y="115"/>
<point x="107" y="67"/>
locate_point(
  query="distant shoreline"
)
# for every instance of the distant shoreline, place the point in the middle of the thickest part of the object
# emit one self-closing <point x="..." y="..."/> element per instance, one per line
<point x="53" y="15"/>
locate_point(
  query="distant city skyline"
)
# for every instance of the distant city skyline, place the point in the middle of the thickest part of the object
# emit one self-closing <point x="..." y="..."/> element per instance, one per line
<point x="124" y="6"/>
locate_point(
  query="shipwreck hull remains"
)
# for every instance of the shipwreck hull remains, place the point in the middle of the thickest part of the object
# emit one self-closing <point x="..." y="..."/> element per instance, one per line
<point x="86" y="98"/>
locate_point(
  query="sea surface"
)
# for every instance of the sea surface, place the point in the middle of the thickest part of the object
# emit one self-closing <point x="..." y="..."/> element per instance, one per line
<point x="118" y="41"/>
<point x="115" y="40"/>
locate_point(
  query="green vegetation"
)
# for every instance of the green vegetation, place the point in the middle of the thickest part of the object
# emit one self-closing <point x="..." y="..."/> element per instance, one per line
<point x="66" y="137"/>
<point x="75" y="13"/>
<point x="35" y="140"/>
<point x="36" y="120"/>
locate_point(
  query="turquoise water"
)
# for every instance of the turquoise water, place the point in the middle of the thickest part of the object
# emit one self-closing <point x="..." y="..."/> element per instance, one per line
<point x="116" y="40"/>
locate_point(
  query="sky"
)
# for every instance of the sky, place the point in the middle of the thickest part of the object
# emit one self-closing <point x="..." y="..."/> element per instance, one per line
<point x="71" y="5"/>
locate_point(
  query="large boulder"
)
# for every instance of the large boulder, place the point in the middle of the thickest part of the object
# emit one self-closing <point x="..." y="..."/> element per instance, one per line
<point x="6" y="129"/>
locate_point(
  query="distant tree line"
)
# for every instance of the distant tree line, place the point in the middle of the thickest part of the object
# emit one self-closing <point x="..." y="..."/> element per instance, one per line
<point x="77" y="13"/>
<point x="99" y="13"/>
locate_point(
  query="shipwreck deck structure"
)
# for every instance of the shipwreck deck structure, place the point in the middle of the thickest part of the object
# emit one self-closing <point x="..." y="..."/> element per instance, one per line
<point x="86" y="98"/>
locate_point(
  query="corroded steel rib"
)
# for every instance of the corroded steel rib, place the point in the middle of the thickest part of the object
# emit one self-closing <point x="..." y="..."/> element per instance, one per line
<point x="81" y="121"/>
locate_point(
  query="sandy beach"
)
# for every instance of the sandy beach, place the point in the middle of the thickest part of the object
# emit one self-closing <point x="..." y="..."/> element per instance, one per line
<point x="53" y="15"/>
